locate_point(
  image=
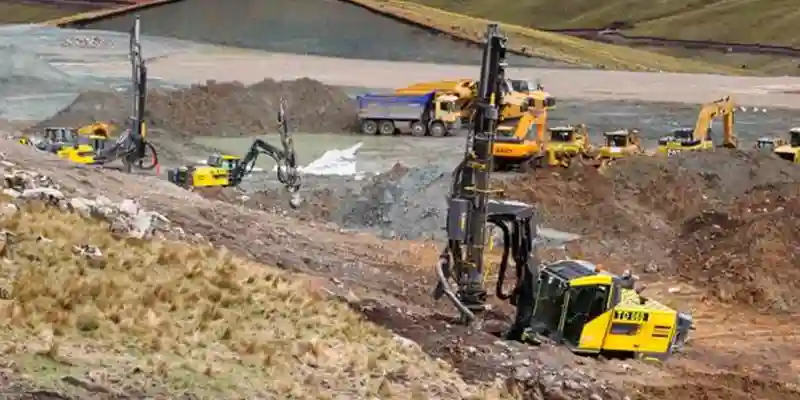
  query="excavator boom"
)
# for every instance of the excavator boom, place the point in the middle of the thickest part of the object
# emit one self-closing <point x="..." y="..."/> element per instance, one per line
<point x="724" y="108"/>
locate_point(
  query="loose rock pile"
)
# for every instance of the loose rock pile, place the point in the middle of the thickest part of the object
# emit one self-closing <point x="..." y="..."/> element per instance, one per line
<point x="125" y="219"/>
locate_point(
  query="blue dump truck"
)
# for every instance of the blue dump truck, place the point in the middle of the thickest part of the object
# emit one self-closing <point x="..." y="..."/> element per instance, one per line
<point x="431" y="114"/>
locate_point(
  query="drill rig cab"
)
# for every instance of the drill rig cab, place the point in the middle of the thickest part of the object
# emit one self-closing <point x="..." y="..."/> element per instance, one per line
<point x="591" y="312"/>
<point x="225" y="161"/>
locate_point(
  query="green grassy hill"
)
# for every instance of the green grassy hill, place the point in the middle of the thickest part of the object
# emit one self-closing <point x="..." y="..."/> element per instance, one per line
<point x="745" y="21"/>
<point x="764" y="21"/>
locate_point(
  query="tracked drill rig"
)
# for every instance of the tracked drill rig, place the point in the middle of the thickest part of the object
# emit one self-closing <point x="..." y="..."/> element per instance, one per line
<point x="132" y="146"/>
<point x="470" y="209"/>
<point x="569" y="302"/>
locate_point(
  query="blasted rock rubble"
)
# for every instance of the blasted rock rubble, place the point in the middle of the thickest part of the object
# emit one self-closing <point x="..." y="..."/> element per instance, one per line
<point x="125" y="218"/>
<point x="514" y="365"/>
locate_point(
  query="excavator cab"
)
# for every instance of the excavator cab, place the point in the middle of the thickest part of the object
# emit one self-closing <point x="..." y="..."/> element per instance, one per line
<point x="590" y="311"/>
<point x="519" y="145"/>
<point x="794" y="137"/>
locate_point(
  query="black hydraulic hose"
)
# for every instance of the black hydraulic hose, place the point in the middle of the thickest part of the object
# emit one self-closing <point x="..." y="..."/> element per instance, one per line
<point x="507" y="248"/>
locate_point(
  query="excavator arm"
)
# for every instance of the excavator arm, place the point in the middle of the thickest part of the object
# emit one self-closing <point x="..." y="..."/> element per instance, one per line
<point x="285" y="157"/>
<point x="720" y="108"/>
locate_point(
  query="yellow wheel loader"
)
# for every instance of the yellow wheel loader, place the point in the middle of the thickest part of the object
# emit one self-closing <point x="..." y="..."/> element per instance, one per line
<point x="790" y="150"/>
<point x="699" y="137"/>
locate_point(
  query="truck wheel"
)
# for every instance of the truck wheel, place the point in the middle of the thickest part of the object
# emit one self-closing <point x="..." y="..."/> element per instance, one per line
<point x="438" y="129"/>
<point x="418" y="129"/>
<point x="386" y="127"/>
<point x="369" y="127"/>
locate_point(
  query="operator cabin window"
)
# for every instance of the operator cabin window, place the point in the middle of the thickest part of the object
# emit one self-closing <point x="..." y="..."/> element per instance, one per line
<point x="561" y="136"/>
<point x="618" y="141"/>
<point x="531" y="135"/>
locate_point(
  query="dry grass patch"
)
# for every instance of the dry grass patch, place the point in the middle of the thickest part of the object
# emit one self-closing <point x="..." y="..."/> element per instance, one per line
<point x="168" y="317"/>
<point x="543" y="44"/>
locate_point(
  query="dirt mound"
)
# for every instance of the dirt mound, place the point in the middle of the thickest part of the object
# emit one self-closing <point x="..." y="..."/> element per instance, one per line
<point x="221" y="109"/>
<point x="694" y="216"/>
<point x="748" y="252"/>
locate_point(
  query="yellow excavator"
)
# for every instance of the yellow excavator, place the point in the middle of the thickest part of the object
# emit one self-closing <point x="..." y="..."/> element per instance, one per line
<point x="790" y="150"/>
<point x="522" y="144"/>
<point x="699" y="137"/>
<point x="515" y="98"/>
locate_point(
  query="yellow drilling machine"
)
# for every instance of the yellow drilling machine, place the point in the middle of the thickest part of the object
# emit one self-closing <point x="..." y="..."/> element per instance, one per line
<point x="570" y="302"/>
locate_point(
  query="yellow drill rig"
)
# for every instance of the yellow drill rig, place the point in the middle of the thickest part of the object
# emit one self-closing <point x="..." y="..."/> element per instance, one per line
<point x="571" y="302"/>
<point x="228" y="170"/>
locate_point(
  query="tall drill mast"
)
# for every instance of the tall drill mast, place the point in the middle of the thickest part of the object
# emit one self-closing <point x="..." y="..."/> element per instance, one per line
<point x="469" y="203"/>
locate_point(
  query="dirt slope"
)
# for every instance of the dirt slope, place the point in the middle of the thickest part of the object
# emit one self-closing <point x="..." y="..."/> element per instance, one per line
<point x="165" y="318"/>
